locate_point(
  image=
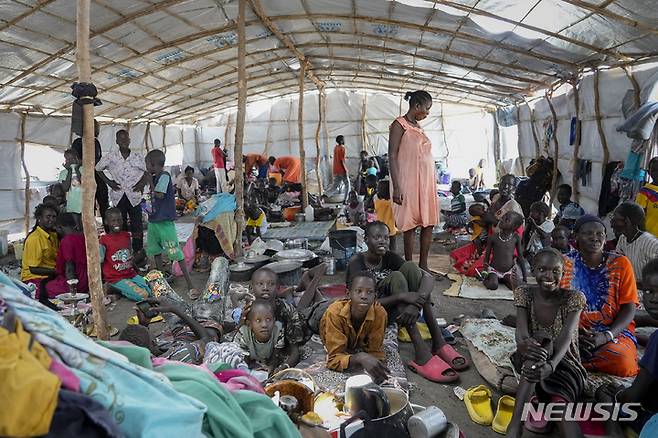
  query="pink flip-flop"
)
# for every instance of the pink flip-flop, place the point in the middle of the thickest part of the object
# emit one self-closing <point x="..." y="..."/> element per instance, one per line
<point x="435" y="370"/>
<point x="449" y="354"/>
<point x="537" y="423"/>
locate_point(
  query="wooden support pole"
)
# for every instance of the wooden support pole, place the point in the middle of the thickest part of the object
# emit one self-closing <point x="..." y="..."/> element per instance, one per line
<point x="318" y="154"/>
<point x="239" y="127"/>
<point x="599" y="122"/>
<point x="323" y="106"/>
<point x="88" y="177"/>
<point x="576" y="147"/>
<point x="364" y="136"/>
<point x="518" y="137"/>
<point x="445" y="136"/>
<point x="300" y="126"/>
<point x="549" y="95"/>
<point x="229" y="123"/>
<point x="197" y="148"/>
<point x="289" y="127"/>
<point x="26" y="195"/>
<point x="268" y="133"/>
<point x="164" y="137"/>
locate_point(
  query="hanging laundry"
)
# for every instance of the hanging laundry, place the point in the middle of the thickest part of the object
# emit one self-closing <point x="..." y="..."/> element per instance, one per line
<point x="632" y="170"/>
<point x="641" y="123"/>
<point x="609" y="195"/>
<point x="574" y="131"/>
<point x="584" y="172"/>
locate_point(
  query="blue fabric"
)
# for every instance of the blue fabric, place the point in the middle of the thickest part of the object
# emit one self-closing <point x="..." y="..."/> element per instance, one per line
<point x="263" y="171"/>
<point x="163" y="209"/>
<point x="640" y="124"/>
<point x="632" y="167"/>
<point x="649" y="360"/>
<point x="216" y="205"/>
<point x="650" y="429"/>
<point x="141" y="401"/>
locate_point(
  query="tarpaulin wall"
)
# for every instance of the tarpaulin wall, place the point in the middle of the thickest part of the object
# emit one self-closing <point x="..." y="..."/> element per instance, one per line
<point x="613" y="86"/>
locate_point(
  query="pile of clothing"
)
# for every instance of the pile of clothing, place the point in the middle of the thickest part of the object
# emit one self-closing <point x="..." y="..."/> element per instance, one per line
<point x="57" y="382"/>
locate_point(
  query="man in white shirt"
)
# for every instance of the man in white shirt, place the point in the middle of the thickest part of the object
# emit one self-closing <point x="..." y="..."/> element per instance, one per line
<point x="635" y="243"/>
<point x="128" y="179"/>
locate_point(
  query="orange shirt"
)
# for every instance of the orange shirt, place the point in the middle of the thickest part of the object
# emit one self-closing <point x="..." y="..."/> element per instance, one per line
<point x="252" y="160"/>
<point x="341" y="340"/>
<point x="292" y="168"/>
<point x="339" y="157"/>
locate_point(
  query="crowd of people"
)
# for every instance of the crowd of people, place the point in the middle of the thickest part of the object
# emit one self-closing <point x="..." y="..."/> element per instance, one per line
<point x="579" y="316"/>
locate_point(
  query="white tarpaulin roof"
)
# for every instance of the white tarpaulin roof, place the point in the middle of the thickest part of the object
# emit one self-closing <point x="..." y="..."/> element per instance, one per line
<point x="175" y="60"/>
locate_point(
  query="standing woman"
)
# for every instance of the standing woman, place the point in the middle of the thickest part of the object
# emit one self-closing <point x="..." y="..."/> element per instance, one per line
<point x="413" y="176"/>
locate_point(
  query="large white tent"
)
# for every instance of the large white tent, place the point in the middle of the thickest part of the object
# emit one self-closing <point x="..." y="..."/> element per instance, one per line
<point x="168" y="70"/>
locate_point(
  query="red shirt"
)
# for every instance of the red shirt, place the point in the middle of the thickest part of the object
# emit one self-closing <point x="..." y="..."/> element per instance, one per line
<point x="72" y="249"/>
<point x="118" y="261"/>
<point x="339" y="157"/>
<point x="218" y="157"/>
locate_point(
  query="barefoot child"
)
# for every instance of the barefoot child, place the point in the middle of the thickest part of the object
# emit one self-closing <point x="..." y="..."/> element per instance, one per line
<point x="477" y="226"/>
<point x="456" y="216"/>
<point x="71" y="261"/>
<point x="505" y="245"/>
<point x="262" y="338"/>
<point x="354" y="210"/>
<point x="162" y="235"/>
<point x="547" y="355"/>
<point x="352" y="329"/>
<point x="404" y="289"/>
<point x="117" y="259"/>
<point x="537" y="234"/>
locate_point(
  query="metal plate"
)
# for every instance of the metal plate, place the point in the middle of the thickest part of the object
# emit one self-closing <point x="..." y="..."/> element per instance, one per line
<point x="295" y="254"/>
<point x="284" y="266"/>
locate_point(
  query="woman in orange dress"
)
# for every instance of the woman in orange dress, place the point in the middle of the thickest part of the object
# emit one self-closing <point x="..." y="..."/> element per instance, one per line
<point x="291" y="168"/>
<point x="413" y="176"/>
<point x="607" y="330"/>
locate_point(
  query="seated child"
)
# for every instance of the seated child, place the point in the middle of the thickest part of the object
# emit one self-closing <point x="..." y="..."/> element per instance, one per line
<point x="477" y="227"/>
<point x="117" y="259"/>
<point x="71" y="261"/>
<point x="456" y="216"/>
<point x="371" y="191"/>
<point x="645" y="385"/>
<point x="264" y="286"/>
<point x="352" y="329"/>
<point x="188" y="340"/>
<point x="537" y="234"/>
<point x="561" y="239"/>
<point x="507" y="252"/>
<point x="256" y="224"/>
<point x="384" y="210"/>
<point x="547" y="355"/>
<point x="568" y="211"/>
<point x="354" y="210"/>
<point x="187" y="190"/>
<point x="71" y="178"/>
<point x="273" y="191"/>
<point x="404" y="290"/>
<point x="261" y="338"/>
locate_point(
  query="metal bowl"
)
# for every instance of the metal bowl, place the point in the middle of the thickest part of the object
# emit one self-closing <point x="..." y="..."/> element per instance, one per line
<point x="297" y="254"/>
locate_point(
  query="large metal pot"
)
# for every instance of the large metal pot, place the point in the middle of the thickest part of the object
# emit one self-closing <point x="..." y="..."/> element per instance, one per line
<point x="288" y="271"/>
<point x="391" y="426"/>
<point x="241" y="272"/>
<point x="257" y="261"/>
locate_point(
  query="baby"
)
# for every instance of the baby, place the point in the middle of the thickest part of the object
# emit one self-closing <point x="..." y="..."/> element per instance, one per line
<point x="261" y="338"/>
<point x="477" y="227"/>
<point x="507" y="252"/>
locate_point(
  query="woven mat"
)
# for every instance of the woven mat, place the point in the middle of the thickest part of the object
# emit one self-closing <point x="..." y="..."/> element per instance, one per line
<point x="469" y="287"/>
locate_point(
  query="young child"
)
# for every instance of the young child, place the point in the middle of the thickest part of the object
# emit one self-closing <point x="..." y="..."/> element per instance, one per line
<point x="354" y="210"/>
<point x="162" y="231"/>
<point x="262" y="338"/>
<point x="188" y="190"/>
<point x="455" y="217"/>
<point x="51" y="201"/>
<point x="371" y="191"/>
<point x="352" y="329"/>
<point x="384" y="210"/>
<point x="568" y="211"/>
<point x="647" y="197"/>
<point x="57" y="191"/>
<point x="561" y="239"/>
<point x="273" y="191"/>
<point x="264" y="286"/>
<point x="71" y="179"/>
<point x="503" y="245"/>
<point x="372" y="169"/>
<point x="537" y="234"/>
<point x="547" y="355"/>
<point x="40" y="251"/>
<point x="71" y="261"/>
<point x="256" y="222"/>
<point x="117" y="259"/>
<point x="477" y="227"/>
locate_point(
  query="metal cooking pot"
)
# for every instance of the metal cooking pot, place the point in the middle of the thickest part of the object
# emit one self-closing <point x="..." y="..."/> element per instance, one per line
<point x="241" y="272"/>
<point x="288" y="271"/>
<point x="257" y="261"/>
<point x="391" y="426"/>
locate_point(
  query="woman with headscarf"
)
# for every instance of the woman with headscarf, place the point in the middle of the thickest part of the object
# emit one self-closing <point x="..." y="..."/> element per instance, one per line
<point x="413" y="176"/>
<point x="607" y="331"/>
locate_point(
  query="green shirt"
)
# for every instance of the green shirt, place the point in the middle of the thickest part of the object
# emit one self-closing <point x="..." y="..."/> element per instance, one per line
<point x="74" y="195"/>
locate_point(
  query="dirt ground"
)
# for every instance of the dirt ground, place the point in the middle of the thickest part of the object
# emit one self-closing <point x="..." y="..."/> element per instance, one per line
<point x="423" y="392"/>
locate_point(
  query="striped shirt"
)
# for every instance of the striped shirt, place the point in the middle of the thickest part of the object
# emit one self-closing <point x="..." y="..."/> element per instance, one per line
<point x="639" y="251"/>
